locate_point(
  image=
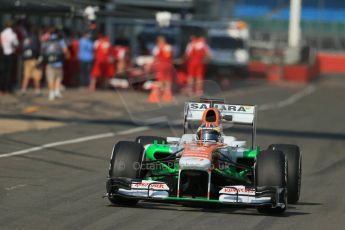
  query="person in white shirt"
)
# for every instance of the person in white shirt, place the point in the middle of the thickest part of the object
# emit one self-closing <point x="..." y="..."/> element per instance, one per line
<point x="9" y="43"/>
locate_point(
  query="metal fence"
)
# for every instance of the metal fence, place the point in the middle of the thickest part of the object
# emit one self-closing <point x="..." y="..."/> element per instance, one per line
<point x="319" y="35"/>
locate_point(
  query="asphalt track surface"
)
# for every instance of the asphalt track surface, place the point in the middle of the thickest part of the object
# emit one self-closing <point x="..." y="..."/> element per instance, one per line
<point x="61" y="187"/>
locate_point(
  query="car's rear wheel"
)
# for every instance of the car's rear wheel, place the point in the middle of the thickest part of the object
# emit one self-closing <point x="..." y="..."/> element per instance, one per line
<point x="294" y="158"/>
<point x="145" y="140"/>
<point x="125" y="162"/>
<point x="271" y="171"/>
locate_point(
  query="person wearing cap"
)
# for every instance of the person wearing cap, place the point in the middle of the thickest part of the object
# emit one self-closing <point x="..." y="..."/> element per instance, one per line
<point x="54" y="52"/>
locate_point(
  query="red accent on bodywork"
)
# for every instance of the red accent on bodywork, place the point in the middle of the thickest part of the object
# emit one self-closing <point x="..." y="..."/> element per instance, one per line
<point x="200" y="150"/>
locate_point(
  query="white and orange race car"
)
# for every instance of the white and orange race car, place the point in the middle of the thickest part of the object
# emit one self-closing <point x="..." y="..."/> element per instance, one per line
<point x="206" y="166"/>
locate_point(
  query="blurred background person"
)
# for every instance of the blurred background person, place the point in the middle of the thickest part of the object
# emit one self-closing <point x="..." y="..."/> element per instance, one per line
<point x="121" y="57"/>
<point x="9" y="43"/>
<point x="163" y="54"/>
<point x="31" y="65"/>
<point x="197" y="51"/>
<point x="72" y="65"/>
<point x="85" y="56"/>
<point x="45" y="34"/>
<point x="103" y="67"/>
<point x="54" y="52"/>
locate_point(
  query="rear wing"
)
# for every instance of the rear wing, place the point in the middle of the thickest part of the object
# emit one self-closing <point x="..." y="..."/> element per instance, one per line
<point x="241" y="114"/>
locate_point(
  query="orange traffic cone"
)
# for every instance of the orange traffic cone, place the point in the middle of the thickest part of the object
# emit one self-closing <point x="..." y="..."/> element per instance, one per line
<point x="274" y="73"/>
<point x="167" y="96"/>
<point x="154" y="94"/>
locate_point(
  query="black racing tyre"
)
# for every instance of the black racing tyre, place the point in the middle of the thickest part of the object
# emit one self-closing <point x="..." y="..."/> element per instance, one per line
<point x="124" y="163"/>
<point x="294" y="158"/>
<point x="144" y="140"/>
<point x="271" y="171"/>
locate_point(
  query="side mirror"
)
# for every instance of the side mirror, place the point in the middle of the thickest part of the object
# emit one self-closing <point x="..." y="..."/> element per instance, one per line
<point x="173" y="139"/>
<point x="227" y="117"/>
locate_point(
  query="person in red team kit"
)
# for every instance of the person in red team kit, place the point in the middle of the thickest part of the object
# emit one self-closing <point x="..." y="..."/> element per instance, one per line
<point x="163" y="54"/>
<point x="103" y="66"/>
<point x="197" y="52"/>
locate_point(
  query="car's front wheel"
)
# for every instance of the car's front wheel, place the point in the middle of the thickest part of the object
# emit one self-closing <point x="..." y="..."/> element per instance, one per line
<point x="125" y="162"/>
<point x="294" y="158"/>
<point x="271" y="171"/>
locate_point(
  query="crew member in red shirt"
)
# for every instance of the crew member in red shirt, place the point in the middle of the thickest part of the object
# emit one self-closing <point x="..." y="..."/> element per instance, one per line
<point x="163" y="54"/>
<point x="197" y="52"/>
<point x="103" y="66"/>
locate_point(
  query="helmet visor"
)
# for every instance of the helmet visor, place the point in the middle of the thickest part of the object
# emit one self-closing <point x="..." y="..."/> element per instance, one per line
<point x="210" y="135"/>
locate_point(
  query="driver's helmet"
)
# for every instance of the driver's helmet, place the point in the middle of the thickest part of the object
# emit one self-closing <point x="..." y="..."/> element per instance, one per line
<point x="211" y="128"/>
<point x="209" y="133"/>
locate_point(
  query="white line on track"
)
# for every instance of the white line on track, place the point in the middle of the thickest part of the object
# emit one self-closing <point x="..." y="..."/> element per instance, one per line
<point x="15" y="187"/>
<point x="73" y="141"/>
<point x="290" y="100"/>
<point x="54" y="144"/>
<point x="156" y="120"/>
<point x="134" y="130"/>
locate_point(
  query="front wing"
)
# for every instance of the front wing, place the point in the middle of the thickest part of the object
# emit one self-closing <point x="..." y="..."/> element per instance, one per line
<point x="157" y="191"/>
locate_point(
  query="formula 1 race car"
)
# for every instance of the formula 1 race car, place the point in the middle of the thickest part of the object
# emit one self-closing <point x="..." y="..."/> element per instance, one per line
<point x="206" y="167"/>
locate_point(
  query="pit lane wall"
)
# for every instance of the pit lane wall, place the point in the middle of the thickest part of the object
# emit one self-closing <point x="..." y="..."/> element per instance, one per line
<point x="331" y="63"/>
<point x="325" y="63"/>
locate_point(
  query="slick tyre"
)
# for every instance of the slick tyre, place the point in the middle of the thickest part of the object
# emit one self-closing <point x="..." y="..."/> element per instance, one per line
<point x="294" y="157"/>
<point x="145" y="140"/>
<point x="125" y="161"/>
<point x="271" y="171"/>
